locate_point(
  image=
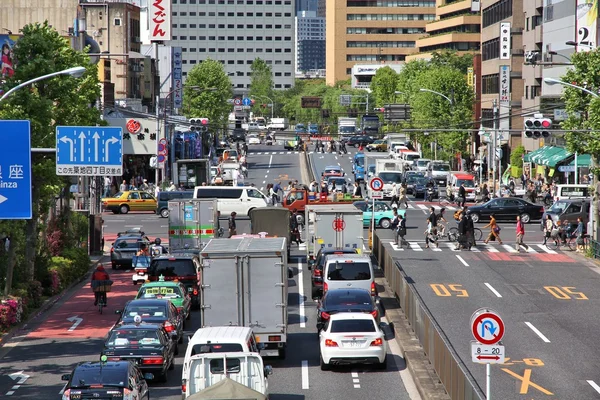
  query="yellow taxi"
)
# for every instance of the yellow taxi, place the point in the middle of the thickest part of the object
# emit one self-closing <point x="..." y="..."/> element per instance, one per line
<point x="378" y="145"/>
<point x="129" y="200"/>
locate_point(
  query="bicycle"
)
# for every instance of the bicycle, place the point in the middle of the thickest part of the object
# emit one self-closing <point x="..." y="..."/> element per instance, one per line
<point x="100" y="289"/>
<point x="453" y="234"/>
<point x="570" y="241"/>
<point x="446" y="202"/>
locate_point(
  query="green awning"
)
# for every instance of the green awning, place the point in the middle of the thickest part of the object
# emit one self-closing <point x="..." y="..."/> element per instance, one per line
<point x="547" y="155"/>
<point x="583" y="160"/>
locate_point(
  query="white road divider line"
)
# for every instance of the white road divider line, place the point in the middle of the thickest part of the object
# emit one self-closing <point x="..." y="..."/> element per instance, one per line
<point x="546" y="249"/>
<point x="462" y="260"/>
<point x="537" y="332"/>
<point x="304" y="374"/>
<point x="301" y="296"/>
<point x="270" y="160"/>
<point x="492" y="289"/>
<point x="594" y="385"/>
<point x="355" y="380"/>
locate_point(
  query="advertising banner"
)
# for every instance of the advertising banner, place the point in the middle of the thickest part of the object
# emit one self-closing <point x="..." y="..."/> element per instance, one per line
<point x="587" y="24"/>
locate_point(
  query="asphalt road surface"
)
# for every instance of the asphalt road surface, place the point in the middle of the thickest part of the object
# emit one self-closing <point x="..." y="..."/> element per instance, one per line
<point x="73" y="331"/>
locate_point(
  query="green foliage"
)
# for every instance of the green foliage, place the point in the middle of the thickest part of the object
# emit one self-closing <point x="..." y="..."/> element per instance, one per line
<point x="212" y="103"/>
<point x="70" y="267"/>
<point x="261" y="85"/>
<point x="451" y="58"/>
<point x="383" y="86"/>
<point x="582" y="108"/>
<point x="516" y="156"/>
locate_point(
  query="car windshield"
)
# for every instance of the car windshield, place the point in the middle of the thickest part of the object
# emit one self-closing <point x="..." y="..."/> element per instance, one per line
<point x="338" y="181"/>
<point x="133" y="338"/>
<point x="422" y="163"/>
<point x="172" y="267"/>
<point x="359" y="161"/>
<point x="348" y="271"/>
<point x="347" y="298"/>
<point x="145" y="310"/>
<point x="411" y="157"/>
<point x="419" y="180"/>
<point x="159" y="292"/>
<point x="321" y="256"/>
<point x="468" y="182"/>
<point x="559" y="207"/>
<point x="390" y="177"/>
<point x="440" y="167"/>
<point x="201" y="348"/>
<point x="352" y="325"/>
<point x="107" y="375"/>
<point x="332" y="170"/>
<point x="117" y="195"/>
<point x="347" y="129"/>
<point x="127" y="243"/>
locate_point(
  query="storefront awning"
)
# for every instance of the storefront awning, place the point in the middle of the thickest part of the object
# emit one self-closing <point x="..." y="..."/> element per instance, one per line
<point x="583" y="160"/>
<point x="547" y="155"/>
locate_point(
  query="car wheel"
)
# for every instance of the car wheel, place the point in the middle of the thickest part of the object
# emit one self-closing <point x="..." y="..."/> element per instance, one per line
<point x="525" y="218"/>
<point x="385" y="223"/>
<point x="475" y="217"/>
<point x="368" y="149"/>
<point x="164" y="213"/>
<point x="124" y="209"/>
<point x="324" y="367"/>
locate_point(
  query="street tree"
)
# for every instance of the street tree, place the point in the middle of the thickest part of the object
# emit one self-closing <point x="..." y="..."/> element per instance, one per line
<point x="451" y="58"/>
<point x="205" y="93"/>
<point x="62" y="100"/>
<point x="261" y="85"/>
<point x="383" y="86"/>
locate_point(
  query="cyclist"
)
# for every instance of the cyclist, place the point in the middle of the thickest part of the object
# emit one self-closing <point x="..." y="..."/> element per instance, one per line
<point x="99" y="275"/>
<point x="441" y="222"/>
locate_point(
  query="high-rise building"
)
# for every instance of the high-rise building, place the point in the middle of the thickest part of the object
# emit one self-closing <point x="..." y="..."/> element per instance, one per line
<point x="310" y="41"/>
<point x="236" y="33"/>
<point x="306" y="5"/>
<point x="502" y="23"/>
<point x="321" y="7"/>
<point x="457" y="27"/>
<point x="15" y="14"/>
<point x="369" y="31"/>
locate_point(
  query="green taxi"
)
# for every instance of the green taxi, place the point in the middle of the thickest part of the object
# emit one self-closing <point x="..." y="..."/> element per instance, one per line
<point x="169" y="290"/>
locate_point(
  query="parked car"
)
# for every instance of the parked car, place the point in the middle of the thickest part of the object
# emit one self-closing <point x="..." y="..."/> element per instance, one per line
<point x="383" y="213"/>
<point x="129" y="200"/>
<point x="506" y="208"/>
<point x="346" y="300"/>
<point x="123" y="380"/>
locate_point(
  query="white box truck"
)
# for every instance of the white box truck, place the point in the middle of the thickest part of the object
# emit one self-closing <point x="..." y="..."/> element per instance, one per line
<point x="390" y="172"/>
<point x="192" y="223"/>
<point x="333" y="226"/>
<point x="244" y="282"/>
<point x="346" y="126"/>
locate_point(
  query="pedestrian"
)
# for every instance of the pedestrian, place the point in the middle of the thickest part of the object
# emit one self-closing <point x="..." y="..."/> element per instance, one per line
<point x="462" y="195"/>
<point x="294" y="227"/>
<point x="401" y="231"/>
<point x="441" y="221"/>
<point x="520" y="234"/>
<point x="272" y="194"/>
<point x="357" y="192"/>
<point x="494" y="230"/>
<point x="123" y="187"/>
<point x="548" y="228"/>
<point x="580" y="232"/>
<point x="395" y="195"/>
<point x="430" y="236"/>
<point x="402" y="195"/>
<point x="276" y="190"/>
<point x="433" y="219"/>
<point x="462" y="241"/>
<point x="232" y="225"/>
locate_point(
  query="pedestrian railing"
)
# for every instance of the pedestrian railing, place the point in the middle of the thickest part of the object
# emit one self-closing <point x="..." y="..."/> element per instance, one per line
<point x="595" y="247"/>
<point x="454" y="375"/>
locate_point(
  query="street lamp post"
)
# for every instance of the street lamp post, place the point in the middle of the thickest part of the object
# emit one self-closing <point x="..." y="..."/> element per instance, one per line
<point x="76" y="72"/>
<point x="438" y="93"/>
<point x="593" y="205"/>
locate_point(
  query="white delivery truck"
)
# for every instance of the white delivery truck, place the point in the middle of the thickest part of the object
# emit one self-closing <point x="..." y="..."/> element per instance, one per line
<point x="192" y="223"/>
<point x="245" y="283"/>
<point x="370" y="163"/>
<point x="394" y="140"/>
<point x="390" y="172"/>
<point x="204" y="371"/>
<point x="333" y="226"/>
<point x="227" y="169"/>
<point x="278" y="124"/>
<point x="346" y="126"/>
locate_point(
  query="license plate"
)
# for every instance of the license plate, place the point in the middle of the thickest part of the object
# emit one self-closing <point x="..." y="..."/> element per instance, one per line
<point x="353" y="344"/>
<point x="126" y="255"/>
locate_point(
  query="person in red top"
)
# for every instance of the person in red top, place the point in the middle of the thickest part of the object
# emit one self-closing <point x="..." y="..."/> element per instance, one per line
<point x="520" y="233"/>
<point x="100" y="275"/>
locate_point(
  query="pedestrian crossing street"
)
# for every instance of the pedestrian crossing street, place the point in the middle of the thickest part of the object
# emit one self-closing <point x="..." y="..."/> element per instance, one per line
<point x="480" y="248"/>
<point x="272" y="153"/>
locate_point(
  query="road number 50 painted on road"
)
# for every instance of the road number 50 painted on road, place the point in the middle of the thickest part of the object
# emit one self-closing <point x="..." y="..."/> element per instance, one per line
<point x="448" y="290"/>
<point x="565" y="293"/>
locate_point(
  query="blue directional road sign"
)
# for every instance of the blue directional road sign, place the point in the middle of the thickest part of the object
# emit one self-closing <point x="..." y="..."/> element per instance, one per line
<point x="15" y="171"/>
<point x="247" y="101"/>
<point x="89" y="150"/>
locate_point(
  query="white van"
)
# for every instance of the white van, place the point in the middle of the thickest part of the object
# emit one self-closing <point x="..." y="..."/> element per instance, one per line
<point x="572" y="192"/>
<point x="349" y="270"/>
<point x="240" y="199"/>
<point x="222" y="339"/>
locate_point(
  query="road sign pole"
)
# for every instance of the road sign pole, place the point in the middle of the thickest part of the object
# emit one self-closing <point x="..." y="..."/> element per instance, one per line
<point x="373" y="223"/>
<point x="488" y="380"/>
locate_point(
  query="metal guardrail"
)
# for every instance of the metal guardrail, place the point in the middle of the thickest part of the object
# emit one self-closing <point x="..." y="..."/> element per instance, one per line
<point x="595" y="246"/>
<point x="456" y="378"/>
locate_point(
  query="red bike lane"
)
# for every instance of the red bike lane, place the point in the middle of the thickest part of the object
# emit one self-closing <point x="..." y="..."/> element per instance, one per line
<point x="77" y="317"/>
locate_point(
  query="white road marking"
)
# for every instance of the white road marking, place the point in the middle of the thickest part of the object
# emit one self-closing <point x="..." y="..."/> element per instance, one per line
<point x="531" y="250"/>
<point x="509" y="248"/>
<point x="395" y="247"/>
<point x="423" y="207"/>
<point x="302" y="246"/>
<point x="304" y="374"/>
<point x="492" y="289"/>
<point x="336" y="158"/>
<point x="270" y="160"/>
<point x="546" y="249"/>
<point x="415" y="246"/>
<point x="435" y="248"/>
<point x="462" y="260"/>
<point x="133" y="226"/>
<point x="10" y="393"/>
<point x="266" y="176"/>
<point x="301" y="295"/>
<point x="491" y="249"/>
<point x="475" y="250"/>
<point x="537" y="332"/>
<point x="281" y="152"/>
<point x="355" y="380"/>
<point x="261" y="188"/>
<point x="451" y="246"/>
<point x="289" y="152"/>
<point x="594" y="385"/>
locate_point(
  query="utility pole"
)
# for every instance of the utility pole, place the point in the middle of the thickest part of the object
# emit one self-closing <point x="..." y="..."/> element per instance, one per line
<point x="493" y="162"/>
<point x="158" y="133"/>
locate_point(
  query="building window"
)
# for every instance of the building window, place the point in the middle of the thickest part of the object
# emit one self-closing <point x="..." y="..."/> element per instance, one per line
<point x="277" y="73"/>
<point x="535" y="91"/>
<point x="288" y="86"/>
<point x="497" y="12"/>
<point x="182" y="37"/>
<point x="490" y="49"/>
<point x="230" y="62"/>
<point x="201" y="50"/>
<point x="212" y="38"/>
<point x="193" y="61"/>
<point x="192" y="26"/>
<point x="192" y="14"/>
<point x="490" y="84"/>
<point x="230" y="14"/>
<point x="192" y="37"/>
<point x="287" y="62"/>
<point x="221" y="38"/>
<point x="390" y="17"/>
<point x="278" y="86"/>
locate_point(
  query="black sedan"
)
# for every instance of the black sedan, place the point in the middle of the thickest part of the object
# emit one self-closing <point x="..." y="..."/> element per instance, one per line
<point x="359" y="140"/>
<point x="154" y="311"/>
<point x="316" y="265"/>
<point x="345" y="300"/>
<point x="149" y="346"/>
<point x="106" y="380"/>
<point x="506" y="208"/>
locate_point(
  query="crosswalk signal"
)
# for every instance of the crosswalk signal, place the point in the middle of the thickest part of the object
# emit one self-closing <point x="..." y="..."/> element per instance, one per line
<point x="538" y="127"/>
<point x="199" y="124"/>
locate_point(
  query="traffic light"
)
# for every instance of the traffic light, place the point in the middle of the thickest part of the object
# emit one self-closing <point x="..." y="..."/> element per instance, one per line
<point x="198" y="124"/>
<point x="538" y="127"/>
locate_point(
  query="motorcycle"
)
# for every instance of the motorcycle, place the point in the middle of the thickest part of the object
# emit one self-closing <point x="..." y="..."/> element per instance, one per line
<point x="430" y="194"/>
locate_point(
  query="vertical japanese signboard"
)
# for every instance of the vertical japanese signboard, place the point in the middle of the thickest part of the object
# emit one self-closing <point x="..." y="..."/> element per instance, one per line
<point x="159" y="15"/>
<point x="587" y="24"/>
<point x="505" y="40"/>
<point x="504" y="101"/>
<point x="177" y="77"/>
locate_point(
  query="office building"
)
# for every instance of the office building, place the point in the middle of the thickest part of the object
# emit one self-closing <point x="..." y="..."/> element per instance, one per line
<point x="236" y="32"/>
<point x="457" y="27"/>
<point x="306" y="5"/>
<point x="310" y="41"/>
<point x="371" y="31"/>
<point x="321" y="7"/>
<point x="502" y="23"/>
<point x="15" y="14"/>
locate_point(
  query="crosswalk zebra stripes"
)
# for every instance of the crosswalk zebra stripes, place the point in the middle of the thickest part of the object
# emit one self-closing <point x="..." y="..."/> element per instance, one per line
<point x="480" y="248"/>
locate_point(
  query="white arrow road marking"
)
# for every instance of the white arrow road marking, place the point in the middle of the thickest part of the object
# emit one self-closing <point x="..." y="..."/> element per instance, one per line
<point x="76" y="321"/>
<point x="107" y="143"/>
<point x="81" y="145"/>
<point x="20" y="379"/>
<point x="96" y="137"/>
<point x="2" y="199"/>
<point x="65" y="139"/>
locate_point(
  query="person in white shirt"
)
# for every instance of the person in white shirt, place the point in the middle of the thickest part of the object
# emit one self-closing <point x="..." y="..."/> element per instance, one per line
<point x="172" y="187"/>
<point x="234" y="176"/>
<point x="107" y="186"/>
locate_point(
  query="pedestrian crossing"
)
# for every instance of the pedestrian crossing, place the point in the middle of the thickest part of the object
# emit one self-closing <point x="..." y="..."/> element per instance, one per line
<point x="480" y="248"/>
<point x="272" y="153"/>
<point x="426" y="207"/>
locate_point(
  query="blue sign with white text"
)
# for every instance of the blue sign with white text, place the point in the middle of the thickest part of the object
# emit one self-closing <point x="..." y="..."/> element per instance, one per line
<point x="247" y="101"/>
<point x="89" y="150"/>
<point x="15" y="171"/>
